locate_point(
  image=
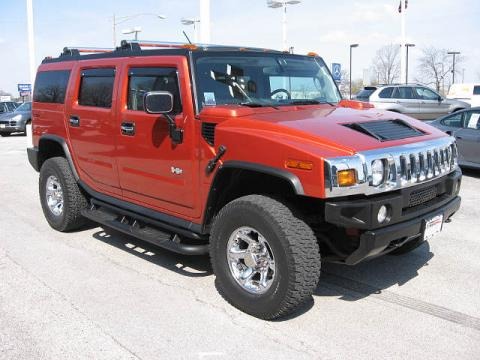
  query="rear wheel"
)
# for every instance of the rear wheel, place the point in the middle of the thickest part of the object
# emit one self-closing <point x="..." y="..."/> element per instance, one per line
<point x="61" y="198"/>
<point x="266" y="259"/>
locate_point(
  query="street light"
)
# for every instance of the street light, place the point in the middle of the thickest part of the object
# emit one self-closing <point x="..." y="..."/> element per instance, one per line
<point x="191" y="21"/>
<point x="351" y="47"/>
<point x="453" y="69"/>
<point x="283" y="4"/>
<point x="406" y="64"/>
<point x="117" y="20"/>
<point x="134" y="30"/>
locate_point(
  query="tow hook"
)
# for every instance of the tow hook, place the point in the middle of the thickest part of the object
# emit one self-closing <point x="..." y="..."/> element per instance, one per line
<point x="212" y="163"/>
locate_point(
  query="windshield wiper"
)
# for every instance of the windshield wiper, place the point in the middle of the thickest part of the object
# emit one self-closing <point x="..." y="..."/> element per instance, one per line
<point x="304" y="102"/>
<point x="255" y="104"/>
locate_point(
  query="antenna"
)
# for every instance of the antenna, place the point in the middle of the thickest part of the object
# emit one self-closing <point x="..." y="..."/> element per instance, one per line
<point x="184" y="33"/>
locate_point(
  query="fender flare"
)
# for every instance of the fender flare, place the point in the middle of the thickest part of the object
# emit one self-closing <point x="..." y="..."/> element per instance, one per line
<point x="61" y="141"/>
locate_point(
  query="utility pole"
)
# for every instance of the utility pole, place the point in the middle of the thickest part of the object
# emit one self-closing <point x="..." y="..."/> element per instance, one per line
<point x="31" y="41"/>
<point x="351" y="47"/>
<point x="402" y="10"/>
<point x="453" y="53"/>
<point x="406" y="67"/>
<point x="205" y="21"/>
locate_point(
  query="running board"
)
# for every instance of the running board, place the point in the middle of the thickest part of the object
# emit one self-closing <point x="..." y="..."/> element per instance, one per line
<point x="141" y="228"/>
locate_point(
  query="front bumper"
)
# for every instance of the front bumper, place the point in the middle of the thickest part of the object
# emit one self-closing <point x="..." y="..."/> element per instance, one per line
<point x="409" y="208"/>
<point x="381" y="241"/>
<point x="9" y="128"/>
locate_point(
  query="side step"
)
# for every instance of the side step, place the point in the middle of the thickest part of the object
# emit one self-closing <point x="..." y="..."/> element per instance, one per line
<point x="142" y="228"/>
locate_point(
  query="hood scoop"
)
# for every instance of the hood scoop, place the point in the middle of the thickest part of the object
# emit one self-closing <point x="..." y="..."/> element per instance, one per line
<point x="386" y="130"/>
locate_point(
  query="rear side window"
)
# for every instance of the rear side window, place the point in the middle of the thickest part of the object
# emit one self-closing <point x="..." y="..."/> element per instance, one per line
<point x="403" y="92"/>
<point x="143" y="80"/>
<point x="386" y="93"/>
<point x="365" y="94"/>
<point x="96" y="88"/>
<point x="476" y="90"/>
<point x="51" y="86"/>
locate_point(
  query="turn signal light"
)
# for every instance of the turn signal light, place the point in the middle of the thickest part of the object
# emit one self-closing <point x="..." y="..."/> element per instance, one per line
<point x="346" y="177"/>
<point x="299" y="164"/>
<point x="311" y="53"/>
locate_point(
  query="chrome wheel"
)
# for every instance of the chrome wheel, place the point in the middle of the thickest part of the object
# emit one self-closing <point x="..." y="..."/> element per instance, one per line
<point x="250" y="259"/>
<point x="54" y="195"/>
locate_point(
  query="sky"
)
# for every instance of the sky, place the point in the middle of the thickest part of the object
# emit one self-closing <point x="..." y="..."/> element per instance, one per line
<point x="323" y="26"/>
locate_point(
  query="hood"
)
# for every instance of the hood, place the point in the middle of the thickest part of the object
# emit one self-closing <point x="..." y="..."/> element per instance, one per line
<point x="345" y="129"/>
<point x="458" y="103"/>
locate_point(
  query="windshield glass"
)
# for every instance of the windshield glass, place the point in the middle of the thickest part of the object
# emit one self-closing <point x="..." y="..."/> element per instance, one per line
<point x="24" y="107"/>
<point x="253" y="79"/>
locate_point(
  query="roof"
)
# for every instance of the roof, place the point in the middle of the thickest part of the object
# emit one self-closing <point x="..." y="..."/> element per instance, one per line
<point x="144" y="48"/>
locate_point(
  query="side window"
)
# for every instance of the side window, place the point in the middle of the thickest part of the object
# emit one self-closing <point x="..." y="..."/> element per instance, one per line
<point x="96" y="88"/>
<point x="426" y="94"/>
<point x="386" y="93"/>
<point x="404" y="92"/>
<point x="476" y="90"/>
<point x="51" y="86"/>
<point x="143" y="80"/>
<point x="454" y="120"/>
<point x="472" y="120"/>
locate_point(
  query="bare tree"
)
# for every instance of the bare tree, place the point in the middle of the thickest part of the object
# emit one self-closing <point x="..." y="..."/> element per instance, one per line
<point x="386" y="64"/>
<point x="435" y="65"/>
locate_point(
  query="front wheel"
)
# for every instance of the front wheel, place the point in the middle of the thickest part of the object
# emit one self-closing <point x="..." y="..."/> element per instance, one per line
<point x="266" y="259"/>
<point x="5" y="134"/>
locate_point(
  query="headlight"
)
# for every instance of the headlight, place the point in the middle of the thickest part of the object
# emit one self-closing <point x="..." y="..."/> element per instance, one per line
<point x="16" y="117"/>
<point x="378" y="172"/>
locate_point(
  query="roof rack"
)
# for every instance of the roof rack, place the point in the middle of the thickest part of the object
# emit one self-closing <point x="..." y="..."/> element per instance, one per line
<point x="75" y="51"/>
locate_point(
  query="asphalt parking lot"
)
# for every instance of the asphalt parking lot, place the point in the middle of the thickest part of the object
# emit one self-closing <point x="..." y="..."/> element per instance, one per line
<point x="98" y="294"/>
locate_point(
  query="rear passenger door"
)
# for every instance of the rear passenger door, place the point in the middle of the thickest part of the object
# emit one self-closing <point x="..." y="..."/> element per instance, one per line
<point x="468" y="138"/>
<point x="408" y="102"/>
<point x="91" y="124"/>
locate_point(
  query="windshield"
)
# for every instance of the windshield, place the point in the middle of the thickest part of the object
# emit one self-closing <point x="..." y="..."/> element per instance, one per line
<point x="24" y="107"/>
<point x="253" y="79"/>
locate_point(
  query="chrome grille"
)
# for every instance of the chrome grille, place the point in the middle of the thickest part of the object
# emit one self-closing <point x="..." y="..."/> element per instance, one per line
<point x="406" y="165"/>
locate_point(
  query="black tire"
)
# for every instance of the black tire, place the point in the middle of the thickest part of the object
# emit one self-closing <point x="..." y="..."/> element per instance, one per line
<point x="294" y="246"/>
<point x="5" y="134"/>
<point x="409" y="246"/>
<point x="73" y="198"/>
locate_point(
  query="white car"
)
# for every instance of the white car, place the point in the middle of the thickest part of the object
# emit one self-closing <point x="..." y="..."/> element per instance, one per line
<point x="415" y="100"/>
<point x="469" y="93"/>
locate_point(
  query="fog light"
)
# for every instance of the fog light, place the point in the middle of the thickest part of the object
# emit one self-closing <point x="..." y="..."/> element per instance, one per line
<point x="382" y="215"/>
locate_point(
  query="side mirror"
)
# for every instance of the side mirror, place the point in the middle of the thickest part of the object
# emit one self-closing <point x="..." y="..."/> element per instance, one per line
<point x="158" y="102"/>
<point x="440" y="99"/>
<point x="161" y="102"/>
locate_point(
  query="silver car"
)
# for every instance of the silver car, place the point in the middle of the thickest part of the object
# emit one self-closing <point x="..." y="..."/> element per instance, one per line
<point x="414" y="100"/>
<point x="16" y="120"/>
<point x="465" y="126"/>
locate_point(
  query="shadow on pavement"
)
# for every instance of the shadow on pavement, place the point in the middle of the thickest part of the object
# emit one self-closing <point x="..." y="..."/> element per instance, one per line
<point x="471" y="172"/>
<point x="352" y="283"/>
<point x="192" y="266"/>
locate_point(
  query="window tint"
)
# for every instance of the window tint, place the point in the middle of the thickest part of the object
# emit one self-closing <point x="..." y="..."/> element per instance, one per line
<point x="472" y="120"/>
<point x="51" y="86"/>
<point x="96" y="88"/>
<point x="476" y="90"/>
<point x="454" y="120"/>
<point x="143" y="80"/>
<point x="403" y="93"/>
<point x="426" y="94"/>
<point x="386" y="93"/>
<point x="364" y="95"/>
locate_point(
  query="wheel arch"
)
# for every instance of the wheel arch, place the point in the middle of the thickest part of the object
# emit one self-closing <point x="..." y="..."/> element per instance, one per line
<point x="237" y="178"/>
<point x="52" y="145"/>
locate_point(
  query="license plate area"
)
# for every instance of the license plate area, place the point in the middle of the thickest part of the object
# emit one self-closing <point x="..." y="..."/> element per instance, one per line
<point x="432" y="226"/>
<point x="2" y="126"/>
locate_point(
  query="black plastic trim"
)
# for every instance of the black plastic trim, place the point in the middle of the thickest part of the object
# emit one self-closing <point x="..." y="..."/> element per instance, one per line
<point x="169" y="222"/>
<point x="291" y="178"/>
<point x="32" y="154"/>
<point x="65" y="148"/>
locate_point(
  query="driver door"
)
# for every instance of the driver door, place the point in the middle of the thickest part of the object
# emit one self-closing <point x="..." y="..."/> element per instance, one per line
<point x="153" y="171"/>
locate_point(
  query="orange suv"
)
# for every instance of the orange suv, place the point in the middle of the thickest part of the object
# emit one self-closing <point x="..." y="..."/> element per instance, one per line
<point x="249" y="155"/>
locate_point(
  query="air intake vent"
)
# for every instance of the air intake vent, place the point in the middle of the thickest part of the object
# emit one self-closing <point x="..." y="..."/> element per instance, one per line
<point x="208" y="132"/>
<point x="386" y="130"/>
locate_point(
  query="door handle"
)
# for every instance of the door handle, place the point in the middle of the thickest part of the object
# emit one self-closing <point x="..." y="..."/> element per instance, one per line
<point x="128" y="128"/>
<point x="74" y="121"/>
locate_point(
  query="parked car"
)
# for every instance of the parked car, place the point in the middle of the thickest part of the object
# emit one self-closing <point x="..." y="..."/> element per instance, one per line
<point x="414" y="100"/>
<point x="7" y="106"/>
<point x="17" y="120"/>
<point x="249" y="155"/>
<point x="465" y="127"/>
<point x="470" y="93"/>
